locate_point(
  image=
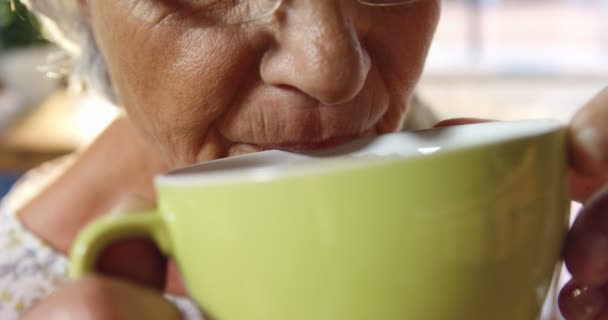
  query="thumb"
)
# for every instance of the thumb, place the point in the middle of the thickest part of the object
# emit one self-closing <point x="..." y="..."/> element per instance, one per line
<point x="135" y="259"/>
<point x="589" y="137"/>
<point x="101" y="298"/>
<point x="588" y="148"/>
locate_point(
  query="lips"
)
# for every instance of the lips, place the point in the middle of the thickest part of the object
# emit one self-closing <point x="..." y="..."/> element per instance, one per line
<point x="245" y="148"/>
<point x="265" y="116"/>
<point x="303" y="147"/>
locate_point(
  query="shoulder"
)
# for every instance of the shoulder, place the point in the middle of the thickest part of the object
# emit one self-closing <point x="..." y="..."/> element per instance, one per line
<point x="34" y="181"/>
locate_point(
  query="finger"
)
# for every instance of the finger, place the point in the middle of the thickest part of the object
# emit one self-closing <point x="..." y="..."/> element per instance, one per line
<point x="578" y="302"/>
<point x="459" y="121"/>
<point x="175" y="284"/>
<point x="135" y="259"/>
<point x="101" y="298"/>
<point x="586" y="250"/>
<point x="583" y="187"/>
<point x="588" y="136"/>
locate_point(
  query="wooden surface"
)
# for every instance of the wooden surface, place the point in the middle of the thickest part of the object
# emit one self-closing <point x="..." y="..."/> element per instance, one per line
<point x="60" y="125"/>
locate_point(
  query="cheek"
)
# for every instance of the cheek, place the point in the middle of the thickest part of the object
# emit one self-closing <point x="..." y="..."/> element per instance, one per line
<point x="400" y="40"/>
<point x="398" y="44"/>
<point x="174" y="81"/>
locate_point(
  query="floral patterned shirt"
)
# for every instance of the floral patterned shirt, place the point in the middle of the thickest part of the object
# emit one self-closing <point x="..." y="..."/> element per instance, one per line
<point x="30" y="270"/>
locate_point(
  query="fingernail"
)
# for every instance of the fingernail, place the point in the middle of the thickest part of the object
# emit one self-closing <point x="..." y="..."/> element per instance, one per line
<point x="595" y="145"/>
<point x="585" y="303"/>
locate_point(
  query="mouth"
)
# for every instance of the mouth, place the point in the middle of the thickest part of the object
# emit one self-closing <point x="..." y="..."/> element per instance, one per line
<point x="308" y="146"/>
<point x="298" y="147"/>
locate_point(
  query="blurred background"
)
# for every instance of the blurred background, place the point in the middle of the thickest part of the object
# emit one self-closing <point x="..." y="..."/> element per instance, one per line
<point x="512" y="59"/>
<point x="22" y="87"/>
<point x="498" y="59"/>
<point x="39" y="118"/>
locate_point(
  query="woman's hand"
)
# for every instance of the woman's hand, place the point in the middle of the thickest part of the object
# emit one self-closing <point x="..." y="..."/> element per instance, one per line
<point x="139" y="260"/>
<point x="586" y="250"/>
<point x="99" y="298"/>
<point x="137" y="297"/>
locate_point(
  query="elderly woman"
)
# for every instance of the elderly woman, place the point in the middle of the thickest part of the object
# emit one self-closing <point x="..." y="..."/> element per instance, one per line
<point x="205" y="79"/>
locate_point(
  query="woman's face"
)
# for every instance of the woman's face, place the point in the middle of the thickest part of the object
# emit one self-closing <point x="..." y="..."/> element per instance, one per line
<point x="313" y="74"/>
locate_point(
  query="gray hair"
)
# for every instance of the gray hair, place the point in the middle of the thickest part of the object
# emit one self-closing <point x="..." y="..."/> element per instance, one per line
<point x="64" y="24"/>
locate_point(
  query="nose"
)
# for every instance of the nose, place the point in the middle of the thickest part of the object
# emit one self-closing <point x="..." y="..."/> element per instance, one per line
<point x="318" y="51"/>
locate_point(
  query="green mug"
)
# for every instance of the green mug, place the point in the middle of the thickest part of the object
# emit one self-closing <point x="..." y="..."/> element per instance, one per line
<point x="460" y="223"/>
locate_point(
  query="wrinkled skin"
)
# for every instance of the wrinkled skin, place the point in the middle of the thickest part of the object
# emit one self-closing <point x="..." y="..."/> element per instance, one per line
<point x="315" y="74"/>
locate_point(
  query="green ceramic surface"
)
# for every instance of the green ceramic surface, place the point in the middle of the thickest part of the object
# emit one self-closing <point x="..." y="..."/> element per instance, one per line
<point x="469" y="232"/>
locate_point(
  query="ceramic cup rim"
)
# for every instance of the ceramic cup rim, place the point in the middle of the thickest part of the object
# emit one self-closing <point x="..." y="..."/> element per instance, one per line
<point x="274" y="165"/>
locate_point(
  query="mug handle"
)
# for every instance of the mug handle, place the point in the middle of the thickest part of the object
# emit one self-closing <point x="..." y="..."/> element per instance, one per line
<point x="108" y="229"/>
